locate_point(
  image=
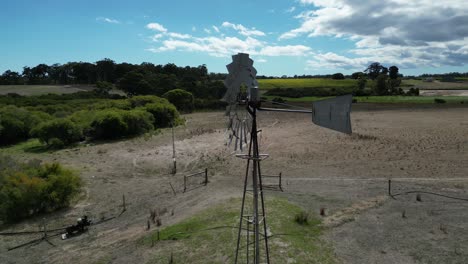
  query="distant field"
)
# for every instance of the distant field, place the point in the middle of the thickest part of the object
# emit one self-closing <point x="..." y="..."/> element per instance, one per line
<point x="46" y="89"/>
<point x="265" y="84"/>
<point x="42" y="89"/>
<point x="435" y="85"/>
<point x="387" y="99"/>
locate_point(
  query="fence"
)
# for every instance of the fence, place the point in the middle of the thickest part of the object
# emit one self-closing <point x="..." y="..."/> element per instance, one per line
<point x="189" y="179"/>
<point x="272" y="185"/>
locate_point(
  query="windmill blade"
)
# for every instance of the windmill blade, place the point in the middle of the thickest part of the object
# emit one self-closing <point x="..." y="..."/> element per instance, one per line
<point x="333" y="113"/>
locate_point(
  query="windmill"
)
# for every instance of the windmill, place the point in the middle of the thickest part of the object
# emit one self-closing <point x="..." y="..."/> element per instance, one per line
<point x="242" y="128"/>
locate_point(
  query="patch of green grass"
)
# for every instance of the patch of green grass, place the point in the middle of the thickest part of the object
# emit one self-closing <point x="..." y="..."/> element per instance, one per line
<point x="32" y="146"/>
<point x="211" y="236"/>
<point x="266" y="84"/>
<point x="42" y="89"/>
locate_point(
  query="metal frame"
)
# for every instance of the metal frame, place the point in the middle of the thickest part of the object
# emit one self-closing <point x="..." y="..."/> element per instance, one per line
<point x="258" y="216"/>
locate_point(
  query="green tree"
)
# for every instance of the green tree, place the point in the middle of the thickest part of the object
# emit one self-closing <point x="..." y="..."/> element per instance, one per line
<point x="375" y="69"/>
<point x="183" y="100"/>
<point x="134" y="83"/>
<point x="381" y="87"/>
<point x="338" y="76"/>
<point x="105" y="70"/>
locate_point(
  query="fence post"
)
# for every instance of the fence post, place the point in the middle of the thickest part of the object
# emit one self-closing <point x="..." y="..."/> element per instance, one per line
<point x="206" y="176"/>
<point x="185" y="183"/>
<point x="389" y="187"/>
<point x="280" y="186"/>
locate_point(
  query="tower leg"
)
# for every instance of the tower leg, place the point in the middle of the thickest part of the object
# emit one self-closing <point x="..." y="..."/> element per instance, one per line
<point x="258" y="205"/>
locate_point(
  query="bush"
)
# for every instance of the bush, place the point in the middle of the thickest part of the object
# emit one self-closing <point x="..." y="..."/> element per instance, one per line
<point x="338" y="76"/>
<point x="108" y="124"/>
<point x="164" y="114"/>
<point x="16" y="123"/>
<point x="116" y="123"/>
<point x="27" y="190"/>
<point x="439" y="101"/>
<point x="143" y="100"/>
<point x="302" y="218"/>
<point x="181" y="99"/>
<point x="138" y="121"/>
<point x="103" y="87"/>
<point x="58" y="133"/>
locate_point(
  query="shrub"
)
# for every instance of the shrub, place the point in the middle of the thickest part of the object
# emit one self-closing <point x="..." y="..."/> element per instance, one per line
<point x="103" y="87"/>
<point x="116" y="123"/>
<point x="27" y="190"/>
<point x="58" y="133"/>
<point x="138" y="121"/>
<point x="181" y="99"/>
<point x="338" y="76"/>
<point x="164" y="114"/>
<point x="302" y="218"/>
<point x="143" y="100"/>
<point x="439" y="101"/>
<point x="17" y="123"/>
<point x="108" y="124"/>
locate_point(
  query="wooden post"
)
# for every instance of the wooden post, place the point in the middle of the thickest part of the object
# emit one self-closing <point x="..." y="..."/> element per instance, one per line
<point x="174" y="169"/>
<point x="185" y="183"/>
<point x="389" y="187"/>
<point x="280" y="186"/>
<point x="206" y="176"/>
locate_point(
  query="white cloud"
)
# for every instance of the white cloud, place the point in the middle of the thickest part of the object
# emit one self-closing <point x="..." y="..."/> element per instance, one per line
<point x="194" y="28"/>
<point x="261" y="60"/>
<point x="243" y="30"/>
<point x="289" y="50"/>
<point x="409" y="33"/>
<point x="156" y="37"/>
<point x="156" y="27"/>
<point x="108" y="20"/>
<point x="178" y="35"/>
<point x="220" y="45"/>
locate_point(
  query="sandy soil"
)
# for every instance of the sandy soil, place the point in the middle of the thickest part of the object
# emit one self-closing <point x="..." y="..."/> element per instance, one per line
<point x="418" y="148"/>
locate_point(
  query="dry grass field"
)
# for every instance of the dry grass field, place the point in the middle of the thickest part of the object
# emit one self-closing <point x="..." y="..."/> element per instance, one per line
<point x="418" y="148"/>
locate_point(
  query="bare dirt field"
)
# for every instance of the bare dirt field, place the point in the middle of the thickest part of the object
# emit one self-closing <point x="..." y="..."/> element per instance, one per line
<point x="421" y="148"/>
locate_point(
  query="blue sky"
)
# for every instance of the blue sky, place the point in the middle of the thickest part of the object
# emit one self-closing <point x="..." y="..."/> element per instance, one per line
<point x="283" y="37"/>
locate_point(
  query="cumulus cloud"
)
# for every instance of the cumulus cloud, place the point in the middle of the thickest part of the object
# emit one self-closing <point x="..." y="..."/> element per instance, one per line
<point x="226" y="46"/>
<point x="414" y="33"/>
<point x="221" y="45"/>
<point x="156" y="27"/>
<point x="243" y="30"/>
<point x="178" y="35"/>
<point x="108" y="20"/>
